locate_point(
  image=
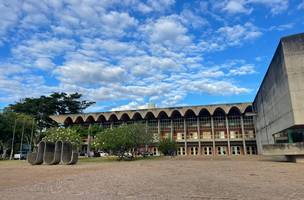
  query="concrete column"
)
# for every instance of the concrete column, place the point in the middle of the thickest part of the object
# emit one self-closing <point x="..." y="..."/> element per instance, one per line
<point x="243" y="135"/>
<point x="199" y="136"/>
<point x="228" y="134"/>
<point x="158" y="128"/>
<point x="111" y="126"/>
<point x="213" y="138"/>
<point x="171" y="132"/>
<point x="185" y="133"/>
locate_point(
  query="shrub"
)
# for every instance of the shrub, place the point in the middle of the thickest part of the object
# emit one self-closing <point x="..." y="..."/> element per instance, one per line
<point x="167" y="147"/>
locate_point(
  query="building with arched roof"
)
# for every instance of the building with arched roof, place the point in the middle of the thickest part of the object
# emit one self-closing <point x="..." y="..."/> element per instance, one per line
<point x="223" y="129"/>
<point x="273" y="124"/>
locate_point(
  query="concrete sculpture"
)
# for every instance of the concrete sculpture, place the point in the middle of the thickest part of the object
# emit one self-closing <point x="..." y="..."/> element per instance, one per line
<point x="51" y="153"/>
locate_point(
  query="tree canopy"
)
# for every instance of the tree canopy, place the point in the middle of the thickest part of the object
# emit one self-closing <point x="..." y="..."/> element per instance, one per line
<point x="44" y="106"/>
<point x="127" y="138"/>
<point x="7" y="125"/>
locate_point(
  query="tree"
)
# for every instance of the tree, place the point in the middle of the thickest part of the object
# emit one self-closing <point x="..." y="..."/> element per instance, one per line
<point x="123" y="140"/>
<point x="63" y="134"/>
<point x="167" y="147"/>
<point x="21" y="123"/>
<point x="44" y="106"/>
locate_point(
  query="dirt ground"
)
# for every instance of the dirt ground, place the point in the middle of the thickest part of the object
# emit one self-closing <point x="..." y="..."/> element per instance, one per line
<point x="168" y="178"/>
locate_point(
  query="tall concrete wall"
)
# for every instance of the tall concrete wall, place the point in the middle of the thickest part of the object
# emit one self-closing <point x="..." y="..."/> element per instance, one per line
<point x="278" y="101"/>
<point x="294" y="60"/>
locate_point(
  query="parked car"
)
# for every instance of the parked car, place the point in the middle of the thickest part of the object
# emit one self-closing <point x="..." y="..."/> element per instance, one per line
<point x="103" y="154"/>
<point x="21" y="155"/>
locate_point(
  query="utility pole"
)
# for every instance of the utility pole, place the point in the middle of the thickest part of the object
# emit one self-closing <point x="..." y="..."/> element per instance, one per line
<point x="12" y="146"/>
<point x="22" y="138"/>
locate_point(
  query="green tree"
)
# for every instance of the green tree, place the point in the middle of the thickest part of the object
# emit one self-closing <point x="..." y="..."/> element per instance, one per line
<point x="123" y="140"/>
<point x="63" y="134"/>
<point x="7" y="124"/>
<point x="44" y="106"/>
<point x="167" y="147"/>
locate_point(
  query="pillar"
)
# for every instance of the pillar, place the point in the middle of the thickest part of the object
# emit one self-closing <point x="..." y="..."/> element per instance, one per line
<point x="158" y="128"/>
<point x="199" y="136"/>
<point x="171" y="132"/>
<point x="228" y="134"/>
<point x="213" y="138"/>
<point x="243" y="135"/>
<point x="185" y="133"/>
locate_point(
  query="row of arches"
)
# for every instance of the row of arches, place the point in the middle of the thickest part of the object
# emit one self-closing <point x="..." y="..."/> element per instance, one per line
<point x="153" y="114"/>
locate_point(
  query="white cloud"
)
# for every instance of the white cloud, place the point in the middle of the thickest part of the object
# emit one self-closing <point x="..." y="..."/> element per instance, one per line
<point x="282" y="27"/>
<point x="167" y="31"/>
<point x="276" y="6"/>
<point x="133" y="105"/>
<point x="235" y="35"/>
<point x="243" y="70"/>
<point x="247" y="6"/>
<point x="236" y="6"/>
<point x="105" y="51"/>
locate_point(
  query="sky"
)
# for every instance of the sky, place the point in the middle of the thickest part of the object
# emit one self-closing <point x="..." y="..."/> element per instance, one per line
<point x="127" y="54"/>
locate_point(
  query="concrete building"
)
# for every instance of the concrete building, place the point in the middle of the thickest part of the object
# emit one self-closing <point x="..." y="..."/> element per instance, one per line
<point x="226" y="129"/>
<point x="276" y="116"/>
<point x="279" y="103"/>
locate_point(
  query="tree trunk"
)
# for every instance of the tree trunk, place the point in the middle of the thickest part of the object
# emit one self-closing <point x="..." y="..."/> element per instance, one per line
<point x="3" y="156"/>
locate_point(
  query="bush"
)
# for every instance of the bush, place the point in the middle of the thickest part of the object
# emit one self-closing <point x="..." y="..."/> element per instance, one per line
<point x="167" y="147"/>
<point x="63" y="134"/>
<point x="123" y="141"/>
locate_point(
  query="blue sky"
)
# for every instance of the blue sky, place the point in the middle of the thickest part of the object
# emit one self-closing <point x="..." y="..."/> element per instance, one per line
<point x="125" y="54"/>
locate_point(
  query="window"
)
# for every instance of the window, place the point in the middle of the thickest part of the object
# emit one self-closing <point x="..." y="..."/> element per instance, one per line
<point x="192" y="135"/>
<point x="181" y="151"/>
<point x="180" y="136"/>
<point x="250" y="150"/>
<point x="221" y="150"/>
<point x="235" y="134"/>
<point x="207" y="151"/>
<point x="236" y="150"/>
<point x="220" y="135"/>
<point x="194" y="150"/>
<point x="155" y="151"/>
<point x="249" y="134"/>
<point x="206" y="135"/>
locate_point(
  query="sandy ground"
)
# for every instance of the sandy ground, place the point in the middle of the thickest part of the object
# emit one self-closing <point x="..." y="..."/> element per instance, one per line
<point x="177" y="178"/>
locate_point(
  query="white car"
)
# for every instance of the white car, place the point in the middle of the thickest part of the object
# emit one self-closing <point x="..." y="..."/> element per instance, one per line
<point x="103" y="154"/>
<point x="20" y="156"/>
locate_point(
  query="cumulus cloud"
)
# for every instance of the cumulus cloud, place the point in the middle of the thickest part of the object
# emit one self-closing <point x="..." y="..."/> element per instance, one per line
<point x="247" y="6"/>
<point x="104" y="50"/>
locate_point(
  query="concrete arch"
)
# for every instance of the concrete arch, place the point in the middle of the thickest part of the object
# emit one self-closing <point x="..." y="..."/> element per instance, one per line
<point x="124" y="117"/>
<point x="68" y="121"/>
<point x="234" y="110"/>
<point x="149" y="115"/>
<point x="136" y="116"/>
<point x="90" y="119"/>
<point x="113" y="117"/>
<point x="248" y="109"/>
<point x="204" y="112"/>
<point x="101" y="118"/>
<point x="176" y="114"/>
<point x="78" y="120"/>
<point x="219" y="111"/>
<point x="162" y="114"/>
<point x="190" y="113"/>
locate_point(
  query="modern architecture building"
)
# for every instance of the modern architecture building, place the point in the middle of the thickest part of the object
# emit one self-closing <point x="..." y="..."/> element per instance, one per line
<point x="275" y="117"/>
